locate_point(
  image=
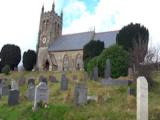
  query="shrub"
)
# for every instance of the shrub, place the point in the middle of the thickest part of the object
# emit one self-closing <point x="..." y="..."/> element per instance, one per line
<point x="92" y="49"/>
<point x="119" y="61"/>
<point x="10" y="55"/>
<point x="91" y="64"/>
<point x="29" y="59"/>
<point x="6" y="69"/>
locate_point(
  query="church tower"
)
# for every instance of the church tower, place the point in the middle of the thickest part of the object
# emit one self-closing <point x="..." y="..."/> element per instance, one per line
<point x="50" y="29"/>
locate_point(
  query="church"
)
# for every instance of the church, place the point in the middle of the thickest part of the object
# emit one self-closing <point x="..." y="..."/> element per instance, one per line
<point x="64" y="52"/>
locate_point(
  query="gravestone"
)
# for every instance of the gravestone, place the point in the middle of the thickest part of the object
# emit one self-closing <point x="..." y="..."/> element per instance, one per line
<point x="53" y="79"/>
<point x="64" y="82"/>
<point x="142" y="99"/>
<point x="13" y="97"/>
<point x="41" y="94"/>
<point x="43" y="79"/>
<point x="31" y="91"/>
<point x="80" y="94"/>
<point x="130" y="73"/>
<point x="21" y="81"/>
<point x="5" y="87"/>
<point x="0" y="88"/>
<point x="107" y="71"/>
<point x="31" y="80"/>
<point x="95" y="73"/>
<point x="14" y="85"/>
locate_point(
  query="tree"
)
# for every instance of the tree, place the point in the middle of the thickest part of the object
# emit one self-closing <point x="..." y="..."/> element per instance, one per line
<point x="29" y="59"/>
<point x="134" y="38"/>
<point x="92" y="49"/>
<point x="10" y="55"/>
<point x="119" y="61"/>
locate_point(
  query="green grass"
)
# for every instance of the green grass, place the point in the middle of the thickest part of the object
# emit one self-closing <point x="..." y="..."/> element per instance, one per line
<point x="114" y="107"/>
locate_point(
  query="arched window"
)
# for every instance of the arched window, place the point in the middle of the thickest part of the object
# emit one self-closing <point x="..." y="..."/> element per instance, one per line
<point x="78" y="62"/>
<point x="65" y="63"/>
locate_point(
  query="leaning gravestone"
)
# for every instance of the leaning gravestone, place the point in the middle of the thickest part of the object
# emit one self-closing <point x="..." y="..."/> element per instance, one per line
<point x="142" y="99"/>
<point x="80" y="94"/>
<point x="95" y="73"/>
<point x="64" y="82"/>
<point x="41" y="94"/>
<point x="107" y="71"/>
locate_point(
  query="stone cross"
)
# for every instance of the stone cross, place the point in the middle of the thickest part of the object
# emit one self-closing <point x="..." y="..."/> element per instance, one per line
<point x="64" y="82"/>
<point x="142" y="99"/>
<point x="107" y="69"/>
<point x="80" y="94"/>
<point x="41" y="94"/>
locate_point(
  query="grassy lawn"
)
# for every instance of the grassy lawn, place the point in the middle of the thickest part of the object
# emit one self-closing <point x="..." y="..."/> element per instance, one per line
<point x="116" y="105"/>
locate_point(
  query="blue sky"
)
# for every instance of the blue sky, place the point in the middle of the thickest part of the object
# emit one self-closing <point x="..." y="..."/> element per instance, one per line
<point x="19" y="21"/>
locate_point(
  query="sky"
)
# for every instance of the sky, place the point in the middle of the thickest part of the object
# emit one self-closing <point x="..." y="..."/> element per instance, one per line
<point x="19" y="21"/>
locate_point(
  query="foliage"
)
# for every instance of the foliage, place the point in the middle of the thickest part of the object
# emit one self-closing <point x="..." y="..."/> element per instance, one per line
<point x="91" y="64"/>
<point x="92" y="49"/>
<point x="134" y="38"/>
<point x="119" y="61"/>
<point x="29" y="59"/>
<point x="6" y="69"/>
<point x="10" y="55"/>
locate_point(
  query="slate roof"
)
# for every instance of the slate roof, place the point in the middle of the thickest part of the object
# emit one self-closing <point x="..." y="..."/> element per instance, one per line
<point x="78" y="40"/>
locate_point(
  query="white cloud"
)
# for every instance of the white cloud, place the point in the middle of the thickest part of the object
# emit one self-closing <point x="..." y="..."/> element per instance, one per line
<point x="114" y="14"/>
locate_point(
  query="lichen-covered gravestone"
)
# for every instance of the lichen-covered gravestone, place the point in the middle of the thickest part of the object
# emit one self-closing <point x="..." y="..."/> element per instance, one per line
<point x="41" y="94"/>
<point x="95" y="73"/>
<point x="31" y="89"/>
<point x="64" y="82"/>
<point x="142" y="99"/>
<point x="80" y="94"/>
<point x="107" y="71"/>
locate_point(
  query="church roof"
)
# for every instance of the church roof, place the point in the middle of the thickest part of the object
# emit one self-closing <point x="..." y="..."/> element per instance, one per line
<point x="78" y="40"/>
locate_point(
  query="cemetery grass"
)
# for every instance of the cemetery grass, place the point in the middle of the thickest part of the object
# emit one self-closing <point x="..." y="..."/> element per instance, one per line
<point x="115" y="105"/>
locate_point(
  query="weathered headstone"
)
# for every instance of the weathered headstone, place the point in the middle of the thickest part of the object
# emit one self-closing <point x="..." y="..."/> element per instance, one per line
<point x="41" y="94"/>
<point x="64" y="82"/>
<point x="107" y="69"/>
<point x="13" y="97"/>
<point x="14" y="85"/>
<point x="80" y="94"/>
<point x="130" y="73"/>
<point x="95" y="73"/>
<point x="43" y="79"/>
<point x="53" y="79"/>
<point x="142" y="98"/>
<point x="31" y="91"/>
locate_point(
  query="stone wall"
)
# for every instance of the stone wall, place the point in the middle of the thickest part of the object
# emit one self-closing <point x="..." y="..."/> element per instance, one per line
<point x="70" y="59"/>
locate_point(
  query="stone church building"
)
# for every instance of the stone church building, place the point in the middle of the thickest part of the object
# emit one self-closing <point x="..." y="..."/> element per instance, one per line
<point x="64" y="52"/>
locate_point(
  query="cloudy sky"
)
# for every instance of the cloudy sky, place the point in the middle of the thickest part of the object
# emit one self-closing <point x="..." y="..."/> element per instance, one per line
<point x="20" y="18"/>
